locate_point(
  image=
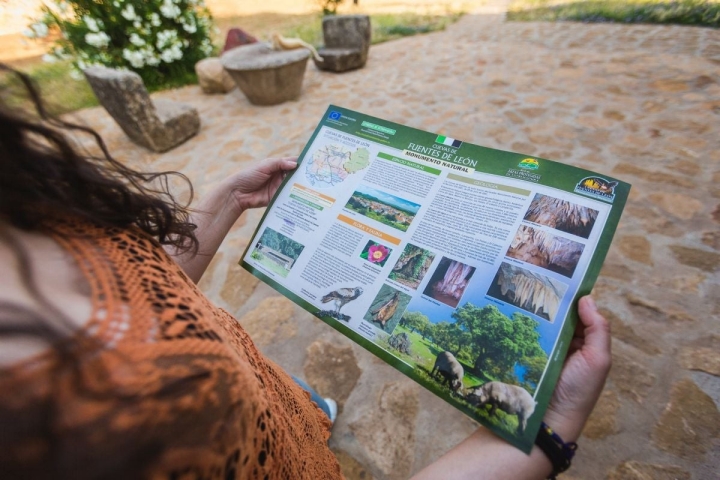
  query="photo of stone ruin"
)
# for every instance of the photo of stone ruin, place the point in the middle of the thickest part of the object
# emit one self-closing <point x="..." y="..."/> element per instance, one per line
<point x="411" y="267"/>
<point x="557" y="254"/>
<point x="528" y="290"/>
<point x="562" y="215"/>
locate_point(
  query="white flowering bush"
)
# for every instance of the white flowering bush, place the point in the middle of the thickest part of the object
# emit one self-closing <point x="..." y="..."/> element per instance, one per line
<point x="159" y="39"/>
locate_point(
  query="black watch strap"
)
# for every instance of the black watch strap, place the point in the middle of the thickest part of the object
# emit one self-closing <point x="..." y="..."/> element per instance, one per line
<point x="559" y="452"/>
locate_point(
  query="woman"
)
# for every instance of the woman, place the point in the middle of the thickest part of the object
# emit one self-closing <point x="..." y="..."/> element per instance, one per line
<point x="114" y="365"/>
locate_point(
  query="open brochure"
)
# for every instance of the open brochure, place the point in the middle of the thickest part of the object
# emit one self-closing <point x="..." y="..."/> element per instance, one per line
<point x="459" y="265"/>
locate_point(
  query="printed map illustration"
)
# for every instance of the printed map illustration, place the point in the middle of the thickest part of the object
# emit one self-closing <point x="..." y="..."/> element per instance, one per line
<point x="332" y="163"/>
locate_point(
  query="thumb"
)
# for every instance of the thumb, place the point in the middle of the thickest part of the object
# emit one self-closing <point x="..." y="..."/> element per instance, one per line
<point x="272" y="165"/>
<point x="596" y="330"/>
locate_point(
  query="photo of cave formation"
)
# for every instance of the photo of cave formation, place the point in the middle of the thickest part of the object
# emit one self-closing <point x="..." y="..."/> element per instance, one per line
<point x="528" y="290"/>
<point x="449" y="281"/>
<point x="562" y="215"/>
<point x="546" y="250"/>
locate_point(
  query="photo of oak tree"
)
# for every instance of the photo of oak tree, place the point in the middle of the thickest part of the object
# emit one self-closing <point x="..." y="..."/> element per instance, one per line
<point x="489" y="344"/>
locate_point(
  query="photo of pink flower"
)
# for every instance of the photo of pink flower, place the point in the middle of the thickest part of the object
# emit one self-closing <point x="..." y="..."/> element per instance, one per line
<point x="376" y="253"/>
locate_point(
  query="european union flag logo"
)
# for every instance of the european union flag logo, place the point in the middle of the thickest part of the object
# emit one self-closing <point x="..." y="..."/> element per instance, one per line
<point x="335" y="115"/>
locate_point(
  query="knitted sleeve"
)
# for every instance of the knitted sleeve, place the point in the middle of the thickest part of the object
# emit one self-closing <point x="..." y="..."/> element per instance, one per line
<point x="159" y="384"/>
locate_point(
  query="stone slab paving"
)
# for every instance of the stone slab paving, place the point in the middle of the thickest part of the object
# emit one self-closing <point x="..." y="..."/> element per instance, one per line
<point x="639" y="102"/>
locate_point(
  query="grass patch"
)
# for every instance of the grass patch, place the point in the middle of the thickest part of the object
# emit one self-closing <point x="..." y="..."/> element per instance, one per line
<point x="385" y="27"/>
<point x="270" y="265"/>
<point x="704" y="13"/>
<point x="63" y="94"/>
<point x="60" y="92"/>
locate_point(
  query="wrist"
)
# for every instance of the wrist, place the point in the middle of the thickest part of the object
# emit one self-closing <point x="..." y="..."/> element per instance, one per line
<point x="231" y="197"/>
<point x="564" y="424"/>
<point x="559" y="451"/>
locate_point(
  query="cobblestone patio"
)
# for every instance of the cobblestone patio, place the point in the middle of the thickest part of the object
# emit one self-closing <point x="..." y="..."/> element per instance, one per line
<point x="638" y="102"/>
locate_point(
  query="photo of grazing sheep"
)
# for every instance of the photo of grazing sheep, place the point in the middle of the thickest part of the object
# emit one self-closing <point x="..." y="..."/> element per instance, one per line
<point x="449" y="371"/>
<point x="511" y="399"/>
<point x="387" y="308"/>
<point x="528" y="290"/>
<point x="562" y="215"/>
<point x="545" y="250"/>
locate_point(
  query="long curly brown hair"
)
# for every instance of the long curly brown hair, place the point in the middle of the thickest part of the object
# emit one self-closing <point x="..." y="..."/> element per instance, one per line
<point x="45" y="177"/>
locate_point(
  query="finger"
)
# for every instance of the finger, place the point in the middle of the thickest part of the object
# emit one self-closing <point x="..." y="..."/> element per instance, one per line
<point x="597" y="329"/>
<point x="283" y="163"/>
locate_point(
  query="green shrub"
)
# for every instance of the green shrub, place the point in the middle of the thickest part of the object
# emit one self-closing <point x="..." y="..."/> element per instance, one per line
<point x="680" y="12"/>
<point x="161" y="40"/>
<point x="329" y="7"/>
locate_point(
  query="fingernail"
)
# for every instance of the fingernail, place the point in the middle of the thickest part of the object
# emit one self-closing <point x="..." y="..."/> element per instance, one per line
<point x="591" y="301"/>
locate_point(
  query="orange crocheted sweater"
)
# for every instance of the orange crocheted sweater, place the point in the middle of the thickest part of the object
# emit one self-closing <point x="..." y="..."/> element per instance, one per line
<point x="160" y="383"/>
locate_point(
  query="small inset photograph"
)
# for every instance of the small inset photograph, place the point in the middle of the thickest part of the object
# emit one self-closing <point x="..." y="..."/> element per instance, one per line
<point x="387" y="308"/>
<point x="528" y="290"/>
<point x="393" y="211"/>
<point x="562" y="215"/>
<point x="546" y="250"/>
<point x="376" y="253"/>
<point x="449" y="281"/>
<point x="411" y="267"/>
<point x="276" y="252"/>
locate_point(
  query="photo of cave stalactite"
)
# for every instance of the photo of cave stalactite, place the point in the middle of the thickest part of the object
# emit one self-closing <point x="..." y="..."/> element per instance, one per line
<point x="449" y="281"/>
<point x="528" y="290"/>
<point x="545" y="250"/>
<point x="562" y="215"/>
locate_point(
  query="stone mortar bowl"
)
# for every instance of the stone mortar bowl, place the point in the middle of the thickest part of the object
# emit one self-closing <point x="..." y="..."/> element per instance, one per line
<point x="267" y="76"/>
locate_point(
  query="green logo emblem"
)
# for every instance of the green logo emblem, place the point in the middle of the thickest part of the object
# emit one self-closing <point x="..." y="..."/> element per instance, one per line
<point x="529" y="163"/>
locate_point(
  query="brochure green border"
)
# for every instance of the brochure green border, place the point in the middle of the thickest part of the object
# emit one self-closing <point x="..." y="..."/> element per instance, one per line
<point x="552" y="174"/>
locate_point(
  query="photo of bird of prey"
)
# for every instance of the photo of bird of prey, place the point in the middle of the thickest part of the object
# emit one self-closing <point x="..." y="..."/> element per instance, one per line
<point x="341" y="297"/>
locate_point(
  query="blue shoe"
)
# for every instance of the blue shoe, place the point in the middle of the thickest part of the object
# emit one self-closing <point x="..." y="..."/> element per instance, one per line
<point x="332" y="406"/>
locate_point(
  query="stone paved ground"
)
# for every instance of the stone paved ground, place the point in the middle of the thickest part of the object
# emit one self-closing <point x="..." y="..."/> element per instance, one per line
<point x="639" y="102"/>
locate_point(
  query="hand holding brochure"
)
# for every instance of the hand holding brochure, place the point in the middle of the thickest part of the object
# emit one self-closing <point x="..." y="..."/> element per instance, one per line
<point x="459" y="265"/>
